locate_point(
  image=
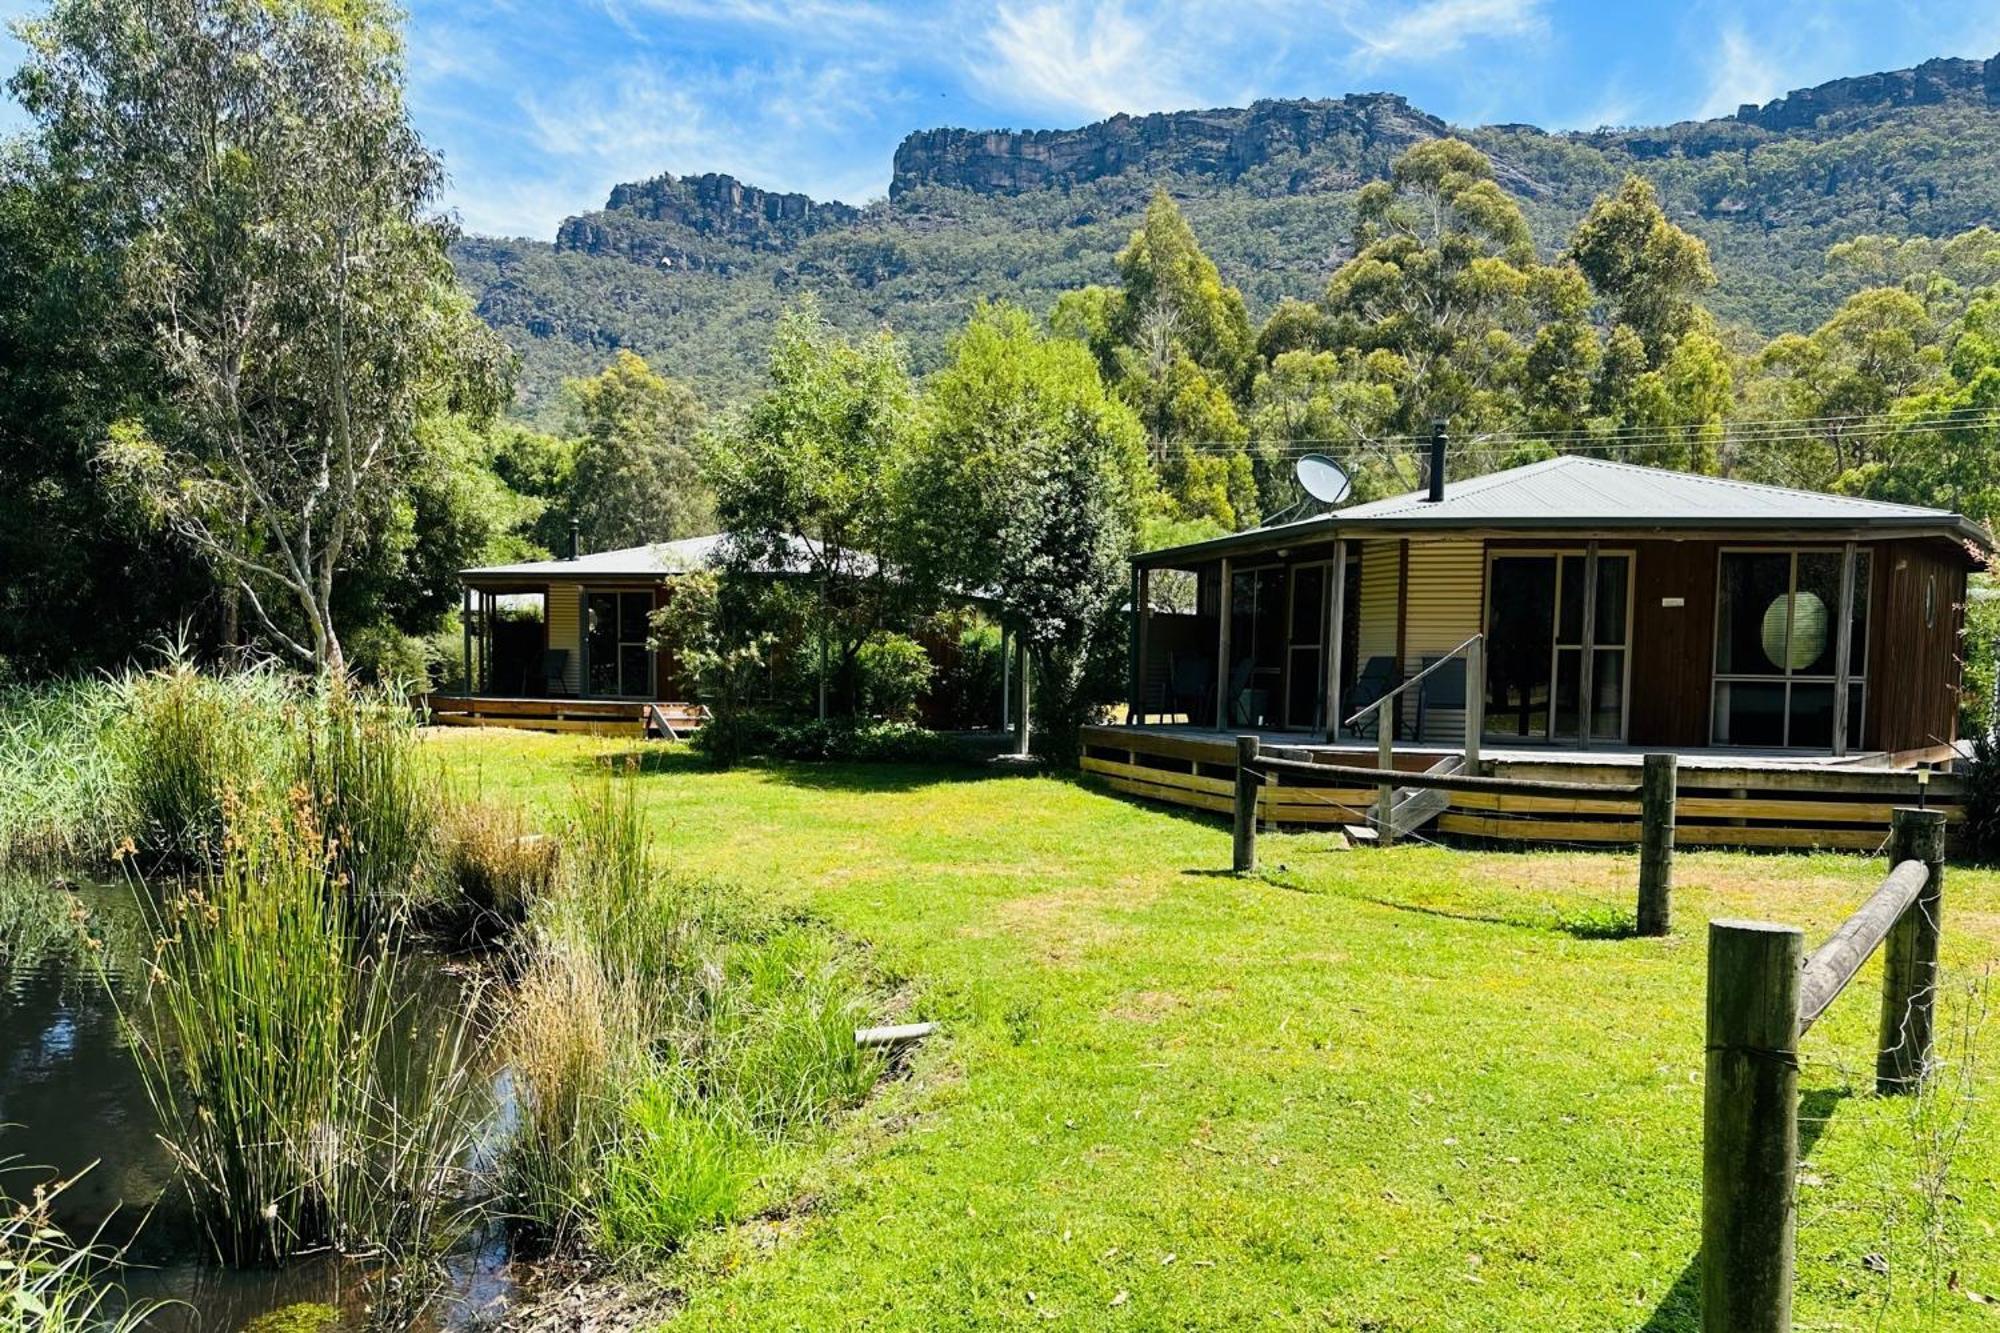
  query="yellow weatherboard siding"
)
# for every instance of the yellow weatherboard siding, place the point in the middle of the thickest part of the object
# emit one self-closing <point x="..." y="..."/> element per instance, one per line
<point x="1443" y="610"/>
<point x="1378" y="600"/>
<point x="565" y="622"/>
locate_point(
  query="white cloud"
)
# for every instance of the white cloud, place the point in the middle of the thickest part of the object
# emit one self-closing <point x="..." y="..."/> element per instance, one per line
<point x="1092" y="59"/>
<point x="1741" y="71"/>
<point x="1437" y="28"/>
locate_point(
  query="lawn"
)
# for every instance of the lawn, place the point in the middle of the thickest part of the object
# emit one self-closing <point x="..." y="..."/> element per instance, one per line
<point x="1406" y="1089"/>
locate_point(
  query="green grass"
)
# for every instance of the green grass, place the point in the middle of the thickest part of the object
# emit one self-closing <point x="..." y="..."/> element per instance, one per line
<point x="1412" y="1089"/>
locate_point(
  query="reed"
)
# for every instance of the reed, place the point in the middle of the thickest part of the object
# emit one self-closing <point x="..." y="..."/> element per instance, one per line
<point x="277" y="1050"/>
<point x="494" y="869"/>
<point x="59" y="790"/>
<point x="48" y="1282"/>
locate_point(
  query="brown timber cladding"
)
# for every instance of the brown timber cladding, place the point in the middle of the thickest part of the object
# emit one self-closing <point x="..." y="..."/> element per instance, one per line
<point x="1913" y="667"/>
<point x="1805" y="806"/>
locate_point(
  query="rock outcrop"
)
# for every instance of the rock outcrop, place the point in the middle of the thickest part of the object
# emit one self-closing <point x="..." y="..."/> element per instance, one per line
<point x="1934" y="81"/>
<point x="1226" y="142"/>
<point x="695" y="209"/>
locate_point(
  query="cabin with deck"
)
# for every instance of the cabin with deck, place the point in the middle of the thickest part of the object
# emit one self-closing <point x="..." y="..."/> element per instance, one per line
<point x="1560" y="619"/>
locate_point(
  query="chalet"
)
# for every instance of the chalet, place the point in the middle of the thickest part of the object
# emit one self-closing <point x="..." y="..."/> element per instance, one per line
<point x="1563" y="615"/>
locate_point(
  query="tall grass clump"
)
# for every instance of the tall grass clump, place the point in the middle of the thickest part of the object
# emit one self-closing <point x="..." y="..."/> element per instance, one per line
<point x="494" y="868"/>
<point x="59" y="789"/>
<point x="305" y="1099"/>
<point x="378" y="797"/>
<point x="664" y="1051"/>
<point x="182" y="738"/>
<point x="48" y="1282"/>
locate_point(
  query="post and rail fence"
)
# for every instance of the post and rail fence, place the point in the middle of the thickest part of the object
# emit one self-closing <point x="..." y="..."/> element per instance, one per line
<point x="1655" y="793"/>
<point x="1763" y="996"/>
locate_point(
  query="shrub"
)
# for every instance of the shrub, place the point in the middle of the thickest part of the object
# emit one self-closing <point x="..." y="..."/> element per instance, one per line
<point x="1979" y="836"/>
<point x="965" y="691"/>
<point x="1981" y="653"/>
<point x="730" y="741"/>
<point x="385" y="656"/>
<point x="892" y="672"/>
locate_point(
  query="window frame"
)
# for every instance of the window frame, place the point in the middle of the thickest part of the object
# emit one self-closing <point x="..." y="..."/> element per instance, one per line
<point x="1630" y="554"/>
<point x="1717" y="677"/>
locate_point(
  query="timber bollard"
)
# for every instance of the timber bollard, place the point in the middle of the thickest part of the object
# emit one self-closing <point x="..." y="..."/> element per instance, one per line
<point x="1248" y="780"/>
<point x="1750" y="1127"/>
<point x="1656" y="844"/>
<point x="1910" y="957"/>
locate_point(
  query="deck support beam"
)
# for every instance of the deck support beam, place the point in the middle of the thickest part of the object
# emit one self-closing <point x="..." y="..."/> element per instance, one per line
<point x="1843" y="652"/>
<point x="1335" y="618"/>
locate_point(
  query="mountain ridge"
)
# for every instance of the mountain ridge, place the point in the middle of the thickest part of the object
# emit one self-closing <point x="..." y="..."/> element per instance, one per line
<point x="708" y="259"/>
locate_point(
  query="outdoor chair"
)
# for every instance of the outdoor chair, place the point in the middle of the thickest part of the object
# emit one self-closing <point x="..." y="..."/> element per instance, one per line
<point x="1377" y="678"/>
<point x="555" y="668"/>
<point x="1443" y="688"/>
<point x="1189" y="688"/>
<point x="1246" y="706"/>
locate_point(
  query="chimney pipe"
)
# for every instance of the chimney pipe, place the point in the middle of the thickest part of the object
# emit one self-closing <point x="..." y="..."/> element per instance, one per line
<point x="575" y="532"/>
<point x="1437" y="461"/>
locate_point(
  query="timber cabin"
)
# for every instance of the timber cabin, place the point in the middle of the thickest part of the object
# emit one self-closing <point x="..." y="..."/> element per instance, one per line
<point x="1557" y="620"/>
<point x="560" y="645"/>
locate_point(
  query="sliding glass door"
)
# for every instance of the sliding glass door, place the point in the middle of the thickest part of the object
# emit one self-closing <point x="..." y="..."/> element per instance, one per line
<point x="1777" y="647"/>
<point x="1305" y="660"/>
<point x="618" y="663"/>
<point x="1536" y="628"/>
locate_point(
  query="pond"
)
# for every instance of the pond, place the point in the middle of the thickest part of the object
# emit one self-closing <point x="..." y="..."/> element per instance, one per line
<point x="72" y="1102"/>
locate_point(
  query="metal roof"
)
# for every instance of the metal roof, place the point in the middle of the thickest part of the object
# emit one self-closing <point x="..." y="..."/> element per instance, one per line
<point x="1574" y="492"/>
<point x="658" y="560"/>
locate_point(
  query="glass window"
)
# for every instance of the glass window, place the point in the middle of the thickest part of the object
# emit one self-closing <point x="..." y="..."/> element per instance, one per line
<point x="1613" y="573"/>
<point x="1777" y="652"/>
<point x="1308" y="603"/>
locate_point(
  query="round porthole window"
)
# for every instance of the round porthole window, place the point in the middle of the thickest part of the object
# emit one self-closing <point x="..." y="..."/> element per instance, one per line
<point x="1808" y="622"/>
<point x="1930" y="601"/>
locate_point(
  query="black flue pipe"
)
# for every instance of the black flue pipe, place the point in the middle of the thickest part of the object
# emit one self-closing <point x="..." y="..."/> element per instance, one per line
<point x="1437" y="461"/>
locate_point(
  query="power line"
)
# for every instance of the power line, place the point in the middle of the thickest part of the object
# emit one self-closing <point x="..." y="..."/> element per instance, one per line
<point x="1773" y="431"/>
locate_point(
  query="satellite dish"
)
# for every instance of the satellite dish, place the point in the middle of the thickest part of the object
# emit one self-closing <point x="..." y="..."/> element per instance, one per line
<point x="1324" y="479"/>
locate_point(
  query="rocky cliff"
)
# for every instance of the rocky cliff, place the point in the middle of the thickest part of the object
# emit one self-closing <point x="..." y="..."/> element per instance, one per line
<point x="1226" y="142"/>
<point x="690" y="210"/>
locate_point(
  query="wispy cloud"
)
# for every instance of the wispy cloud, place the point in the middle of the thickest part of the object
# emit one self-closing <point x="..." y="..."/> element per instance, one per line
<point x="1437" y="29"/>
<point x="1741" y="71"/>
<point x="1092" y="59"/>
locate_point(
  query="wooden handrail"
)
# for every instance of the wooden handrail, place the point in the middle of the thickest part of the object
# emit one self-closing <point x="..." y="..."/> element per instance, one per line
<point x="1834" y="963"/>
<point x="1374" y="704"/>
<point x="1454" y="781"/>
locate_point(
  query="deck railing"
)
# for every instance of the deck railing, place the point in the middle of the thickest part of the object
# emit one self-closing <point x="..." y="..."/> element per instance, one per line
<point x="1384" y="708"/>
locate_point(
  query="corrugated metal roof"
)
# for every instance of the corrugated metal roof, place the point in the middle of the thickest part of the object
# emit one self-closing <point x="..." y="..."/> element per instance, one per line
<point x="659" y="560"/>
<point x="1573" y="488"/>
<point x="1574" y="492"/>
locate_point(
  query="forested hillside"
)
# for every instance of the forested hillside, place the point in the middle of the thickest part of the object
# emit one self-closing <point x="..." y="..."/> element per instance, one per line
<point x="692" y="272"/>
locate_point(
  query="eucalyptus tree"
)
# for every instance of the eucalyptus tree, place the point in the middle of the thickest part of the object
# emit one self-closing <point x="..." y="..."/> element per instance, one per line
<point x="634" y="474"/>
<point x="249" y="169"/>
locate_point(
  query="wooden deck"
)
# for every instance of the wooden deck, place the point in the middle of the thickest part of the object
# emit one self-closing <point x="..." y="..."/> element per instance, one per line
<point x="598" y="717"/>
<point x="1731" y="798"/>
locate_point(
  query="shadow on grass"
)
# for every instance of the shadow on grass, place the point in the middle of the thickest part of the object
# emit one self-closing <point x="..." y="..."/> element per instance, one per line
<point x="815" y="774"/>
<point x="1679" y="1311"/>
<point x="1608" y="923"/>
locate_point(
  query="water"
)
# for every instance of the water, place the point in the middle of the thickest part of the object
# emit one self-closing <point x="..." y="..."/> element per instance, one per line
<point x="72" y="1104"/>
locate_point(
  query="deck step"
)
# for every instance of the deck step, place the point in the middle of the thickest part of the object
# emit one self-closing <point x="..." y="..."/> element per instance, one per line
<point x="1360" y="833"/>
<point x="1413" y="807"/>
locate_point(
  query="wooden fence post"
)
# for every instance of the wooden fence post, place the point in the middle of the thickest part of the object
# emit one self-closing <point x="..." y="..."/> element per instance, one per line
<point x="1248" y="780"/>
<point x="1910" y="957"/>
<point x="1750" y="1127"/>
<point x="1656" y="844"/>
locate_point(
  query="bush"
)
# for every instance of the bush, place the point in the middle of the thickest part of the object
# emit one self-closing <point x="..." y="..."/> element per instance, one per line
<point x="892" y="672"/>
<point x="1979" y="835"/>
<point x="383" y="655"/>
<point x="729" y="741"/>
<point x="965" y="691"/>
<point x="1981" y="653"/>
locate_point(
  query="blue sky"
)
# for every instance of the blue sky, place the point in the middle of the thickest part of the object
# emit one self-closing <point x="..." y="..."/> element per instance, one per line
<point x="540" y="107"/>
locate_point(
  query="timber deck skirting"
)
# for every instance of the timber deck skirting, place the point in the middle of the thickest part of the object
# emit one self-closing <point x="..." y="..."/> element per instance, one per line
<point x="1767" y="802"/>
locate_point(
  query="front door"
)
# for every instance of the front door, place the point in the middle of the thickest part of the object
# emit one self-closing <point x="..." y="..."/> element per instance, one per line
<point x="1305" y="663"/>
<point x="1535" y="627"/>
